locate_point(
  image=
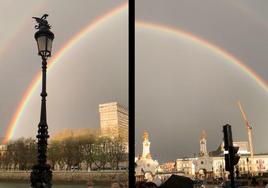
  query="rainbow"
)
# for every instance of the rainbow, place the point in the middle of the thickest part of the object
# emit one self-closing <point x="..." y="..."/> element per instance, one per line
<point x="67" y="46"/>
<point x="206" y="44"/>
<point x="139" y="24"/>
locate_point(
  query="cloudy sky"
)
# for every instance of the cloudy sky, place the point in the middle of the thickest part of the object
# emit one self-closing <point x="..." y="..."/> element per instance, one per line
<point x="91" y="72"/>
<point x="183" y="87"/>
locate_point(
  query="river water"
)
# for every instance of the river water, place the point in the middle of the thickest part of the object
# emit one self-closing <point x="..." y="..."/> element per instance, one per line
<point x="26" y="185"/>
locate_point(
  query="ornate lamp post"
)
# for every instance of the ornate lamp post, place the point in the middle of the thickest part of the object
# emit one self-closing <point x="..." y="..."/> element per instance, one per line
<point x="41" y="174"/>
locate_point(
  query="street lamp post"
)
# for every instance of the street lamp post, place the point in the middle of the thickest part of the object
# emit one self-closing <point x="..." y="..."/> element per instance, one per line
<point x="248" y="166"/>
<point x="41" y="174"/>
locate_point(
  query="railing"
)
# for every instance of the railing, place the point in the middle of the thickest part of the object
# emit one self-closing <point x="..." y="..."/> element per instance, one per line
<point x="69" y="171"/>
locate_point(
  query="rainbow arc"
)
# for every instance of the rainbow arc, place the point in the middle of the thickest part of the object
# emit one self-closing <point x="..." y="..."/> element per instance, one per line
<point x="206" y="44"/>
<point x="139" y="24"/>
<point x="59" y="54"/>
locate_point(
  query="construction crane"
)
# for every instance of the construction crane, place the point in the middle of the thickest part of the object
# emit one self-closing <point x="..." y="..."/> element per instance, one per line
<point x="249" y="128"/>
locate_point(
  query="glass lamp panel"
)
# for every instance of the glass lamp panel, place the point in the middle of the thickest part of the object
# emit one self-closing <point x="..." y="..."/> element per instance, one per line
<point x="41" y="42"/>
<point x="49" y="45"/>
<point x="38" y="47"/>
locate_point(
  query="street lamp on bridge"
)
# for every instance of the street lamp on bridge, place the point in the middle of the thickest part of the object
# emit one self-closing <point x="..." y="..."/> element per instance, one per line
<point x="41" y="174"/>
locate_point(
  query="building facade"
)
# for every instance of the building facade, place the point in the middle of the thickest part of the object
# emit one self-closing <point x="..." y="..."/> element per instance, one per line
<point x="213" y="164"/>
<point x="145" y="163"/>
<point x="114" y="120"/>
<point x="186" y="166"/>
<point x="3" y="149"/>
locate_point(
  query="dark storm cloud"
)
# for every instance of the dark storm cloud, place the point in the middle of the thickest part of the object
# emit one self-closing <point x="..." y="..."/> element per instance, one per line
<point x="176" y="97"/>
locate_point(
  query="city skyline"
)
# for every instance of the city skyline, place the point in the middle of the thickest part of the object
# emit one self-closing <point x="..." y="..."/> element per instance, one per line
<point x="111" y="115"/>
<point x="200" y="88"/>
<point x="80" y="79"/>
<point x="192" y="68"/>
<point x="194" y="62"/>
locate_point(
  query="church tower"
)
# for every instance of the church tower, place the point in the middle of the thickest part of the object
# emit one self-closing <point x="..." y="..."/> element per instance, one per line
<point x="146" y="146"/>
<point x="203" y="144"/>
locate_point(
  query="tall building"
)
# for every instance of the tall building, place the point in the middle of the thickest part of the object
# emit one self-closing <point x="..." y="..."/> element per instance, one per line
<point x="114" y="120"/>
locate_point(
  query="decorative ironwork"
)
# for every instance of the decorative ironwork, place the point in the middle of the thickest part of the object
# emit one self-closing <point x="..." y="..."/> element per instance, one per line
<point x="41" y="175"/>
<point x="41" y="21"/>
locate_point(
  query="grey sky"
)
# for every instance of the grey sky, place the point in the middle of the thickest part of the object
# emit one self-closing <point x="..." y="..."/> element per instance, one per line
<point x="92" y="72"/>
<point x="182" y="88"/>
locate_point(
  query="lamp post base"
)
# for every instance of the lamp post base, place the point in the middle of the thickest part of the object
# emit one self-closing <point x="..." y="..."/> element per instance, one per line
<point x="41" y="176"/>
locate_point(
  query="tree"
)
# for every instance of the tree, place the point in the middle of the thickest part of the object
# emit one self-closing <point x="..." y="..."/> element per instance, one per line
<point x="70" y="151"/>
<point x="71" y="154"/>
<point x="86" y="146"/>
<point x="118" y="153"/>
<point x="101" y="151"/>
<point x="31" y="152"/>
<point x="7" y="158"/>
<point x="19" y="154"/>
<point x="54" y="153"/>
<point x="22" y="153"/>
